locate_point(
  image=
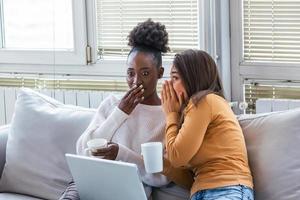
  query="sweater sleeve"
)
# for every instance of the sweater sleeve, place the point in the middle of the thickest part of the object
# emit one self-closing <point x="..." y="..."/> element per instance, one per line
<point x="101" y="126"/>
<point x="182" y="144"/>
<point x="127" y="155"/>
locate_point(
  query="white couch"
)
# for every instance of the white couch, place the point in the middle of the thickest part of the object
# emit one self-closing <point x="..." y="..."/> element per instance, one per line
<point x="43" y="130"/>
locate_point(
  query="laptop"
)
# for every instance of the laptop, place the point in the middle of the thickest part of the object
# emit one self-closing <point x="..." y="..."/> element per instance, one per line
<point x="100" y="179"/>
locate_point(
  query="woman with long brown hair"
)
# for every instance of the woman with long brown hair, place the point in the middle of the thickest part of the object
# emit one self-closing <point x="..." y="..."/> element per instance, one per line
<point x="202" y="133"/>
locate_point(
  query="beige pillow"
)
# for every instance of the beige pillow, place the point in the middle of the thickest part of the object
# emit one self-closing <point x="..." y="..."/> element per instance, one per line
<point x="41" y="132"/>
<point x="273" y="144"/>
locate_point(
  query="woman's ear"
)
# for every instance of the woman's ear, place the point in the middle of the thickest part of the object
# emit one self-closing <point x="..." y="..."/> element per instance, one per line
<point x="161" y="72"/>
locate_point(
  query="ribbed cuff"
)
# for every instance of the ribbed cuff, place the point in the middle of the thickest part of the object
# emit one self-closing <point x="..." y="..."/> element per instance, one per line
<point x="123" y="153"/>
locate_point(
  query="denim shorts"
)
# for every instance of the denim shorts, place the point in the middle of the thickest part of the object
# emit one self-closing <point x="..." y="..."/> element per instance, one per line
<point x="236" y="192"/>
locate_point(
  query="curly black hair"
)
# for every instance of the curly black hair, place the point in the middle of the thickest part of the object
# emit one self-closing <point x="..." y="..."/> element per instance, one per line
<point x="150" y="37"/>
<point x="149" y="34"/>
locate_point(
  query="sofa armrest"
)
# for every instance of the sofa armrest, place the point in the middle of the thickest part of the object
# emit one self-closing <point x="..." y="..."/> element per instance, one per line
<point x="3" y="140"/>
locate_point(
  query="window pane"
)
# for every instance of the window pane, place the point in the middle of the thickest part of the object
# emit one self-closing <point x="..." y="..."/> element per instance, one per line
<point x="271" y="31"/>
<point x="116" y="18"/>
<point x="38" y="24"/>
<point x="271" y="92"/>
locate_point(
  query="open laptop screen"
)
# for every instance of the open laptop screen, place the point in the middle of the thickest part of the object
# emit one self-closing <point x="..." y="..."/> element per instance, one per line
<point x="105" y="179"/>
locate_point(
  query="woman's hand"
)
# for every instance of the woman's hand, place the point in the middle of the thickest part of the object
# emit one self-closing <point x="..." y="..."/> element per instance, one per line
<point x="110" y="152"/>
<point x="170" y="101"/>
<point x="133" y="97"/>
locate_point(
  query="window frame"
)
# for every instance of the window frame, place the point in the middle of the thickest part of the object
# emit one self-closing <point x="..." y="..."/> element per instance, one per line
<point x="206" y="42"/>
<point x="107" y="68"/>
<point x="242" y="71"/>
<point x="1" y="24"/>
<point x="50" y="57"/>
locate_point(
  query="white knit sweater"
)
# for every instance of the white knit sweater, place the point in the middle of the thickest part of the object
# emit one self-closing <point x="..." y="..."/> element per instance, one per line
<point x="145" y="124"/>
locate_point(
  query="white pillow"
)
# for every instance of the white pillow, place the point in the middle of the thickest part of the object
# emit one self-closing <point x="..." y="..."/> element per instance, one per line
<point x="41" y="132"/>
<point x="273" y="145"/>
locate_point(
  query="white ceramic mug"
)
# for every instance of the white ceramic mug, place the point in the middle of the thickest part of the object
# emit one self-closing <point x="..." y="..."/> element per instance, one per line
<point x="152" y="153"/>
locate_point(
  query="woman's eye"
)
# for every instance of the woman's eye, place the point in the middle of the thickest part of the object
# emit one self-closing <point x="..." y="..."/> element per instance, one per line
<point x="145" y="73"/>
<point x="130" y="74"/>
<point x="174" y="78"/>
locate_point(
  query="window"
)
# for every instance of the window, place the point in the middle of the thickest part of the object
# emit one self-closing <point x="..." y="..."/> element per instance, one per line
<point x="265" y="43"/>
<point x="271" y="31"/>
<point x="89" y="37"/>
<point x="116" y="18"/>
<point x="42" y="32"/>
<point x="269" y="90"/>
<point x="34" y="24"/>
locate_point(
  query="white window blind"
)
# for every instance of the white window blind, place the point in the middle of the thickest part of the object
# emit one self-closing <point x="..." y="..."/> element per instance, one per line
<point x="271" y="31"/>
<point x="254" y="91"/>
<point x="116" y="18"/>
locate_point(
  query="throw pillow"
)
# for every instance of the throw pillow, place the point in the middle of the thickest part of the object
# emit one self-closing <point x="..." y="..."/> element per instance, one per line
<point x="41" y="132"/>
<point x="272" y="141"/>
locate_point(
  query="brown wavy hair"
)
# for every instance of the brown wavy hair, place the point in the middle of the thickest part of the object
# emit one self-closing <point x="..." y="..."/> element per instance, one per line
<point x="199" y="73"/>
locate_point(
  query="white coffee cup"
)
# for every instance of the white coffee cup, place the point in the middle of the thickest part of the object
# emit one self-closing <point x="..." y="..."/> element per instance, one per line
<point x="96" y="143"/>
<point x="152" y="153"/>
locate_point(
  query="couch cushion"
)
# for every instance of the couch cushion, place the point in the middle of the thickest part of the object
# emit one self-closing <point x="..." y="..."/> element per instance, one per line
<point x="273" y="144"/>
<point x="170" y="192"/>
<point x="10" y="196"/>
<point x="3" y="140"/>
<point x="42" y="131"/>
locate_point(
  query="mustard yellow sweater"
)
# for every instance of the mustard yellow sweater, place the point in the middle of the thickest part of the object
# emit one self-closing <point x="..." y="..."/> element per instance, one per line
<point x="210" y="142"/>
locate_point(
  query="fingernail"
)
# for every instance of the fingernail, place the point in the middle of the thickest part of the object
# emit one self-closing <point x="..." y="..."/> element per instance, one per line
<point x="142" y="98"/>
<point x="141" y="86"/>
<point x="142" y="90"/>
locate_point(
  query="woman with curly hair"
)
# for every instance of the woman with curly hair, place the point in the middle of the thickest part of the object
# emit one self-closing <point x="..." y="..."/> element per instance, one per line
<point x="128" y="122"/>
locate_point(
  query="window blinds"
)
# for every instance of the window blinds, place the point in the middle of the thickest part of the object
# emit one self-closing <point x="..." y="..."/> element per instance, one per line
<point x="271" y="31"/>
<point x="254" y="91"/>
<point x="116" y="18"/>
